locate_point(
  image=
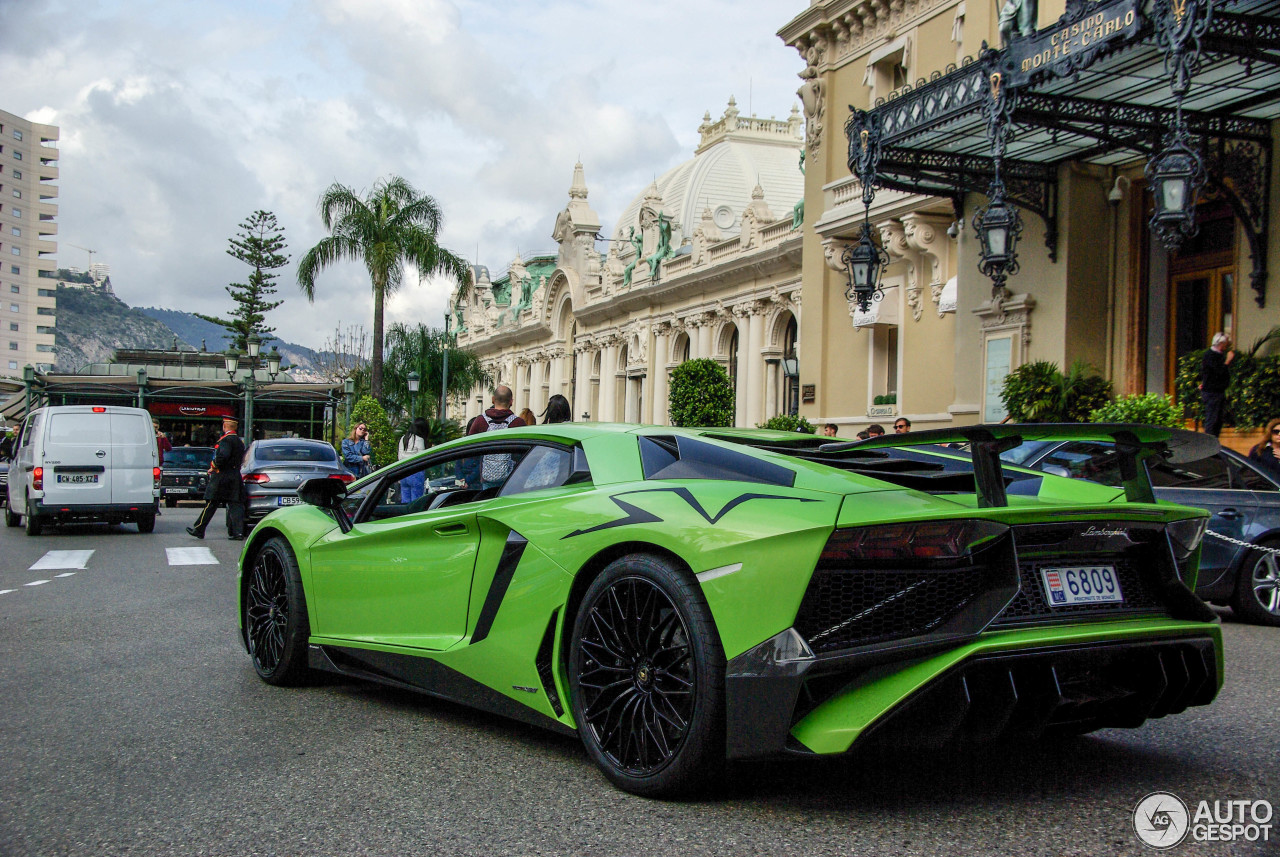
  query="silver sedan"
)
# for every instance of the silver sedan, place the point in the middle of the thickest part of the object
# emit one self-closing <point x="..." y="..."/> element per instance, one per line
<point x="274" y="468"/>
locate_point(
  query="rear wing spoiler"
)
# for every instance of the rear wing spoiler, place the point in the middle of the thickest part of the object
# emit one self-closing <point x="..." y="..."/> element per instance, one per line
<point x="1134" y="444"/>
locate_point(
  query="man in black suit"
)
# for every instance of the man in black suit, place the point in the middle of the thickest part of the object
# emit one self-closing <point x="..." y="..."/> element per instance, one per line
<point x="224" y="484"/>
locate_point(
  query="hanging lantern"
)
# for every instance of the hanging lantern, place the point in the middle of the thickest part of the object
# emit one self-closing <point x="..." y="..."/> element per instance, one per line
<point x="864" y="262"/>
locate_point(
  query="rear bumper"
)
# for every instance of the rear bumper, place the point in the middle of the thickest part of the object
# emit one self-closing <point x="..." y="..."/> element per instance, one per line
<point x="1004" y="684"/>
<point x="111" y="512"/>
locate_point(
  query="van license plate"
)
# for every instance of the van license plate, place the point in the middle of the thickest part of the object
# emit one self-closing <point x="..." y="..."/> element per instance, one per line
<point x="77" y="478"/>
<point x="1090" y="584"/>
<point x="290" y="501"/>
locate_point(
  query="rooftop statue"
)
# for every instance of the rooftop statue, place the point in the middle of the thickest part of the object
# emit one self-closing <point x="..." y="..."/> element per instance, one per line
<point x="797" y="212"/>
<point x="664" y="250"/>
<point x="1018" y="18"/>
<point x="637" y="244"/>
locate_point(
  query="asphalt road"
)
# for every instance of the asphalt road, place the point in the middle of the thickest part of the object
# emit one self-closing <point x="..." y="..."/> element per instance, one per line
<point x="131" y="722"/>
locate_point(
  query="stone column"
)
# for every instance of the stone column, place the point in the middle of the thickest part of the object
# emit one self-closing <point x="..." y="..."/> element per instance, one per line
<point x="705" y="348"/>
<point x="772" y="369"/>
<point x="580" y="396"/>
<point x="755" y="363"/>
<point x="608" y="383"/>
<point x="742" y="394"/>
<point x="658" y="360"/>
<point x="557" y="374"/>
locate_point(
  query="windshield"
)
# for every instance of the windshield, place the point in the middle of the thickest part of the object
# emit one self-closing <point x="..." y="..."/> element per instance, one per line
<point x="295" y="452"/>
<point x="197" y="457"/>
<point x="1024" y="451"/>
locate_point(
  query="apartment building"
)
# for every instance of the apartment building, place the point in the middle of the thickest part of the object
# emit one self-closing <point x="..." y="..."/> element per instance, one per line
<point x="28" y="243"/>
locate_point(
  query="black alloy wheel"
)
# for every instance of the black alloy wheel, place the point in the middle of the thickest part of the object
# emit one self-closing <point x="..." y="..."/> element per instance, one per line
<point x="275" y="615"/>
<point x="647" y="678"/>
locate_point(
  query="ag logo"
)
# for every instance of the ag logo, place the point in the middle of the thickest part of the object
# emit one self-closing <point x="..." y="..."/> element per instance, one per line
<point x="1161" y="820"/>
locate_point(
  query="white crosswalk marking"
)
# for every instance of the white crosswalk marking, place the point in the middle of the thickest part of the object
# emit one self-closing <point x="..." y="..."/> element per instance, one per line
<point x="7" y="591"/>
<point x="191" y="556"/>
<point x="35" y="583"/>
<point x="62" y="559"/>
<point x="66" y="574"/>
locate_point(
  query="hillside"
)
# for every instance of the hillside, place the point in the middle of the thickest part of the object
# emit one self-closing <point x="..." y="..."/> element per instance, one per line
<point x="92" y="324"/>
<point x="197" y="331"/>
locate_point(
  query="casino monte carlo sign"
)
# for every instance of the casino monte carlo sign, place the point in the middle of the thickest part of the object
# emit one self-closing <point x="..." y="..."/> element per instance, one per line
<point x="1073" y="44"/>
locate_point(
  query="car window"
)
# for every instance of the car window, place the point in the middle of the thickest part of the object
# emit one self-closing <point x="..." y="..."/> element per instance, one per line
<point x="1245" y="476"/>
<point x="198" y="458"/>
<point x="1097" y="462"/>
<point x="1023" y="452"/>
<point x="357" y="497"/>
<point x="295" y="452"/>
<point x="1208" y="472"/>
<point x="543" y="467"/>
<point x="448" y="482"/>
<point x="29" y="432"/>
<point x="79" y="429"/>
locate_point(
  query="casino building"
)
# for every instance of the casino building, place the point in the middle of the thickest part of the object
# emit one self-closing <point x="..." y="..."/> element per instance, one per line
<point x="1096" y="186"/>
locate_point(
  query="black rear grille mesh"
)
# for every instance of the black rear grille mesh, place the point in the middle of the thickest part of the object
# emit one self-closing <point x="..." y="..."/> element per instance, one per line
<point x="1030" y="605"/>
<point x="843" y="608"/>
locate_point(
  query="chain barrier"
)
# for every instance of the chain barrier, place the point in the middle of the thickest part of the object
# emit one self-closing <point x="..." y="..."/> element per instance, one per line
<point x="1242" y="544"/>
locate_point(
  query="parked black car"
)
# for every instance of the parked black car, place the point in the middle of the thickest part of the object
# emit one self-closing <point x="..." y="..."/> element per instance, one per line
<point x="1243" y="501"/>
<point x="185" y="474"/>
<point x="273" y="469"/>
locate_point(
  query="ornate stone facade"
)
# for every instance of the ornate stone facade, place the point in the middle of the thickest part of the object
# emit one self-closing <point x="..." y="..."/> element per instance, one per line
<point x="700" y="266"/>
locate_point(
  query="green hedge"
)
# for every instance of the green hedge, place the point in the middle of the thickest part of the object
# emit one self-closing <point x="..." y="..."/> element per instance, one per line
<point x="1038" y="393"/>
<point x="381" y="435"/>
<point x="1154" y="409"/>
<point x="786" y="422"/>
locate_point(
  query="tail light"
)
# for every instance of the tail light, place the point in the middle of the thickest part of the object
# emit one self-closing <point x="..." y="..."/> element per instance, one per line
<point x="155" y="477"/>
<point x="99" y="410"/>
<point x="37" y="479"/>
<point x="345" y="477"/>
<point x="926" y="540"/>
<point x="257" y="478"/>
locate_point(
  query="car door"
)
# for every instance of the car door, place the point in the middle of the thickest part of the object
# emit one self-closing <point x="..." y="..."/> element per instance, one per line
<point x="78" y="459"/>
<point x="402" y="575"/>
<point x="134" y="456"/>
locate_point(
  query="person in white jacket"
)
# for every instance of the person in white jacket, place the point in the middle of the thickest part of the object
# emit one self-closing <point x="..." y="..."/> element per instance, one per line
<point x="411" y="443"/>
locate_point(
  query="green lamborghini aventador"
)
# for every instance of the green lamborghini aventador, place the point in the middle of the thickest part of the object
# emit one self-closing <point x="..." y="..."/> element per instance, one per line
<point x="680" y="597"/>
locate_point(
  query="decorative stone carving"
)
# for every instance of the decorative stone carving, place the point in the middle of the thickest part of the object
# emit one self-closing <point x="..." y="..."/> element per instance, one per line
<point x="927" y="233"/>
<point x="705" y="234"/>
<point x="894" y="239"/>
<point x="754" y="218"/>
<point x="813" y="95"/>
<point x="1007" y="312"/>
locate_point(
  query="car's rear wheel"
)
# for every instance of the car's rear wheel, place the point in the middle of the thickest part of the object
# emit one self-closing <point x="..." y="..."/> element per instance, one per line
<point x="34" y="524"/>
<point x="1257" y="597"/>
<point x="647" y="678"/>
<point x="275" y="615"/>
<point x="147" y="522"/>
<point x="11" y="518"/>
<point x="169" y="502"/>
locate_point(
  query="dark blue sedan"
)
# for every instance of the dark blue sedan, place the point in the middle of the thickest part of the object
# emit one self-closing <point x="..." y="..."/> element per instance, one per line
<point x="1243" y="500"/>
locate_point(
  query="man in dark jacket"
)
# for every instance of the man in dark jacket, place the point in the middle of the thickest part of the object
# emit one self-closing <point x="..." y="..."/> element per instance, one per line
<point x="224" y="484"/>
<point x="1214" y="378"/>
<point x="499" y="413"/>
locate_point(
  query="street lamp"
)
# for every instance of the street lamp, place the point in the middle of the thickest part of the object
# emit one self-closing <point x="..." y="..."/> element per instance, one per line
<point x="234" y="358"/>
<point x="998" y="226"/>
<point x="444" y="375"/>
<point x="28" y="381"/>
<point x="349" y="394"/>
<point x="413" y="393"/>
<point x="142" y="386"/>
<point x="863" y="263"/>
<point x="791" y="371"/>
<point x="1176" y="176"/>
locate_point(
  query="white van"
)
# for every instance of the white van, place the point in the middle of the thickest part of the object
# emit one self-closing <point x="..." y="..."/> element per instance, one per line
<point x="84" y="463"/>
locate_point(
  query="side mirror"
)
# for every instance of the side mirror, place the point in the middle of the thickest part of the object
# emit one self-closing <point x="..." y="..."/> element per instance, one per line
<point x="1056" y="470"/>
<point x="327" y="494"/>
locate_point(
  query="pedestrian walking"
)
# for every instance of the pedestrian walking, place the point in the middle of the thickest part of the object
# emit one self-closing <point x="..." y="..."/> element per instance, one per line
<point x="1215" y="375"/>
<point x="496" y="467"/>
<point x="162" y="443"/>
<point x="901" y="425"/>
<point x="875" y="430"/>
<point x="357" y="452"/>
<point x="527" y="416"/>
<point x="225" y="485"/>
<point x="558" y="411"/>
<point x="830" y="430"/>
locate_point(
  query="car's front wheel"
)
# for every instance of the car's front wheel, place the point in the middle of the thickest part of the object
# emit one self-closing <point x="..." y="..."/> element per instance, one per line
<point x="275" y="615"/>
<point x="646" y="678"/>
<point x="1257" y="597"/>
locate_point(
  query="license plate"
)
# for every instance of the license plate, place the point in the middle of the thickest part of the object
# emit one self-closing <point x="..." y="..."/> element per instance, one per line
<point x="1086" y="584"/>
<point x="175" y="490"/>
<point x="289" y="501"/>
<point x="77" y="478"/>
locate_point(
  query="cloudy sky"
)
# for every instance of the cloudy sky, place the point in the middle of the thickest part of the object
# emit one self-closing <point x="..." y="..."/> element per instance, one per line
<point x="178" y="119"/>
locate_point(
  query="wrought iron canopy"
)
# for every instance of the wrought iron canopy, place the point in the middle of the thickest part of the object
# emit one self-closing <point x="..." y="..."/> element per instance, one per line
<point x="1083" y="93"/>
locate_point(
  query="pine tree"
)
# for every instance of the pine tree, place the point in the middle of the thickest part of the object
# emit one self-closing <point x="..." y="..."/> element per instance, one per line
<point x="258" y="245"/>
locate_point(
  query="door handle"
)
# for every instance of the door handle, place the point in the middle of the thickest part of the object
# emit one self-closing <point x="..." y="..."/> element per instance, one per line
<point x="451" y="530"/>
<point x="1229" y="514"/>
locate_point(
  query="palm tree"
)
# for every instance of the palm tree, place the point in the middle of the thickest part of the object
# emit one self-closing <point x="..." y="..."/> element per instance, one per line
<point x="422" y="349"/>
<point x="392" y="225"/>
